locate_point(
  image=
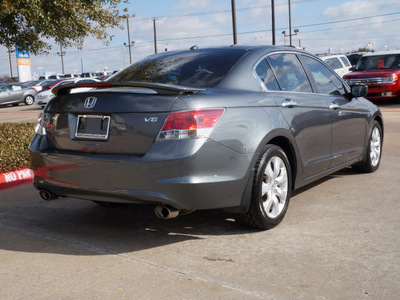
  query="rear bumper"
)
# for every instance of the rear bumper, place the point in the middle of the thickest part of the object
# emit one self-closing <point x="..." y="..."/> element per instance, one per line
<point x="208" y="176"/>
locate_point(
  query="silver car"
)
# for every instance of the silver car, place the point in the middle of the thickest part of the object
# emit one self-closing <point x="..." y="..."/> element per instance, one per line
<point x="237" y="128"/>
<point x="15" y="93"/>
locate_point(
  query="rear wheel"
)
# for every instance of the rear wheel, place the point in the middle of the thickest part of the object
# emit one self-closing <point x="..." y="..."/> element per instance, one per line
<point x="29" y="100"/>
<point x="373" y="152"/>
<point x="271" y="190"/>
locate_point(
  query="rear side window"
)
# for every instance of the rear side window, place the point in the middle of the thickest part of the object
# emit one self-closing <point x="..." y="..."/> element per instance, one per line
<point x="264" y="72"/>
<point x="16" y="87"/>
<point x="289" y="72"/>
<point x="334" y="63"/>
<point x="327" y="82"/>
<point x="345" y="61"/>
<point x="194" y="68"/>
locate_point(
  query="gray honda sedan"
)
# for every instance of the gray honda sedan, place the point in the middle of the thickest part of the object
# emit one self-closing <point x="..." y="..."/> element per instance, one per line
<point x="16" y="93"/>
<point x="237" y="128"/>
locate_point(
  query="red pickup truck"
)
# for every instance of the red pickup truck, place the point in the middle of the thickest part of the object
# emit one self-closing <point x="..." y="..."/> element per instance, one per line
<point x="380" y="71"/>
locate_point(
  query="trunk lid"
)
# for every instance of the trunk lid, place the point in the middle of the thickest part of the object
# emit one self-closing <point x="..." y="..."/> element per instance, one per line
<point x="114" y="121"/>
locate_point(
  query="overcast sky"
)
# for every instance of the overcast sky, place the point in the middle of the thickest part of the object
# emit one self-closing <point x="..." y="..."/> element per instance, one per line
<point x="340" y="25"/>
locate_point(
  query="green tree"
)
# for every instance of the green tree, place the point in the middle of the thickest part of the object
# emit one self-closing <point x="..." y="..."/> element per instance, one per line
<point x="30" y="24"/>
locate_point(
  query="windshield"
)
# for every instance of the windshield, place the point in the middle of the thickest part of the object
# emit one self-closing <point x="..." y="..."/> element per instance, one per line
<point x="194" y="68"/>
<point x="390" y="61"/>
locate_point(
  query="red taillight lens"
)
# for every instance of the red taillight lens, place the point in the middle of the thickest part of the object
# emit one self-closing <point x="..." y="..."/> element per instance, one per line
<point x="190" y="124"/>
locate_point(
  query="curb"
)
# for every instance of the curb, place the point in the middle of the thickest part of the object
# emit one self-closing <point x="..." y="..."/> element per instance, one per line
<point x="13" y="178"/>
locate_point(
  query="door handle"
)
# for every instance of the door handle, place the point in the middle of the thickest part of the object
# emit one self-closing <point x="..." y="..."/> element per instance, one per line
<point x="334" y="105"/>
<point x="289" y="103"/>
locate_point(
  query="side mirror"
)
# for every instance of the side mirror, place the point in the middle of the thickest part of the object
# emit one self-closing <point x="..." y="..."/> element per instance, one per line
<point x="359" y="90"/>
<point x="351" y="69"/>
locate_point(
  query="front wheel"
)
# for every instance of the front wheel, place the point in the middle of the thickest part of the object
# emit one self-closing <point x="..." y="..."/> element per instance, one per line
<point x="29" y="100"/>
<point x="271" y="190"/>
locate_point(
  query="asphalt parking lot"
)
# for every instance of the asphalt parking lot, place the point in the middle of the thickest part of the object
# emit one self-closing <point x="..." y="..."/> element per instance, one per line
<point x="339" y="240"/>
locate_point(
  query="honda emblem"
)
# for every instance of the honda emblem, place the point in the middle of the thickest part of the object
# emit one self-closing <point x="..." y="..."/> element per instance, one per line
<point x="90" y="102"/>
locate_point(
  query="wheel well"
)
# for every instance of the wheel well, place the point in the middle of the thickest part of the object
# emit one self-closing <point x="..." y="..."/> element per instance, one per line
<point x="380" y="121"/>
<point x="285" y="144"/>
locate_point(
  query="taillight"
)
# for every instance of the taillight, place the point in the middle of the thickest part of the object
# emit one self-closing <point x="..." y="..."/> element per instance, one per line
<point x="190" y="124"/>
<point x="41" y="124"/>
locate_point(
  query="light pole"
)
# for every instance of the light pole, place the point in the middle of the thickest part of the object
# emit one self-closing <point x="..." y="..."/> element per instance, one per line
<point x="9" y="50"/>
<point x="234" y="22"/>
<point x="273" y="21"/>
<point x="62" y="54"/>
<point x="290" y="24"/>
<point x="155" y="34"/>
<point x="130" y="44"/>
<point x="296" y="31"/>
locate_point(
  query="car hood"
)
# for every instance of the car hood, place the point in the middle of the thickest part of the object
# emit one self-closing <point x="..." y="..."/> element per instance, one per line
<point x="372" y="73"/>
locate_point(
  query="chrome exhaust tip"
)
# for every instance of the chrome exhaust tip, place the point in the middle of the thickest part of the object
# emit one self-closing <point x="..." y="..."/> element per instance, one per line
<point x="166" y="212"/>
<point x="47" y="196"/>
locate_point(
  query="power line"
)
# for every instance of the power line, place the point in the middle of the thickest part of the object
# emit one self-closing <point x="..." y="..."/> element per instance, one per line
<point x="225" y="10"/>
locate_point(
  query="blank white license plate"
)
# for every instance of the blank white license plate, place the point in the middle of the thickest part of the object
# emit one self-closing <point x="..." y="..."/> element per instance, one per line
<point x="92" y="127"/>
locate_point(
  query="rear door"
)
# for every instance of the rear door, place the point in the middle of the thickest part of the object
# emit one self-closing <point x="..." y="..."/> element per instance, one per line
<point x="17" y="92"/>
<point x="349" y="116"/>
<point x="306" y="112"/>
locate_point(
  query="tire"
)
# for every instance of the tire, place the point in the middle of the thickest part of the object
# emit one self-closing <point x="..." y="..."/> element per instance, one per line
<point x="271" y="190"/>
<point x="373" y="153"/>
<point x="29" y="100"/>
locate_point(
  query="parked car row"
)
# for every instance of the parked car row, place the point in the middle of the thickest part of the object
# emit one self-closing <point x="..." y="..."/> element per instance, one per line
<point x="38" y="91"/>
<point x="77" y="75"/>
<point x="44" y="97"/>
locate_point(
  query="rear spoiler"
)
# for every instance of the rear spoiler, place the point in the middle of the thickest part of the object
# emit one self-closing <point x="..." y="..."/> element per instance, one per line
<point x="160" y="88"/>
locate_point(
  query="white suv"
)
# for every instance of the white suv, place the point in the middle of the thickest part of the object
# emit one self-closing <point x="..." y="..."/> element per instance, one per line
<point x="339" y="62"/>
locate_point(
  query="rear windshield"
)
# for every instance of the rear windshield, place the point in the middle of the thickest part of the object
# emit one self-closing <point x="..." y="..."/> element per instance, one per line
<point x="390" y="61"/>
<point x="195" y="68"/>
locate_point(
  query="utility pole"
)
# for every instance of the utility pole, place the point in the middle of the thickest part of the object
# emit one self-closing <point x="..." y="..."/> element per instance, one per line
<point x="273" y="21"/>
<point x="130" y="44"/>
<point x="155" y="34"/>
<point x="62" y="54"/>
<point x="290" y="25"/>
<point x="9" y="58"/>
<point x="234" y="22"/>
<point x="129" y="41"/>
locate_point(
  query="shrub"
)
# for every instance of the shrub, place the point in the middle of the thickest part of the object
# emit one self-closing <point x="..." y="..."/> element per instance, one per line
<point x="14" y="145"/>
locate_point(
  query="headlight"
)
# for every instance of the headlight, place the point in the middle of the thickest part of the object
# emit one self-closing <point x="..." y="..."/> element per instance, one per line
<point x="390" y="79"/>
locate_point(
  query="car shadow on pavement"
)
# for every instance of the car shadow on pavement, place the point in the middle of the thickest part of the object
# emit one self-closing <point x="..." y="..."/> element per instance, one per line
<point x="98" y="230"/>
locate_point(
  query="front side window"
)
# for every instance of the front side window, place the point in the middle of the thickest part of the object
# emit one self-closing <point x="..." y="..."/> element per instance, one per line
<point x="289" y="72"/>
<point x="326" y="80"/>
<point x="194" y="68"/>
<point x="264" y="72"/>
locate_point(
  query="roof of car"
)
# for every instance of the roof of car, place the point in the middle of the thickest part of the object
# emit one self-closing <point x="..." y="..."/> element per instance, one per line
<point x="332" y="56"/>
<point x="385" y="52"/>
